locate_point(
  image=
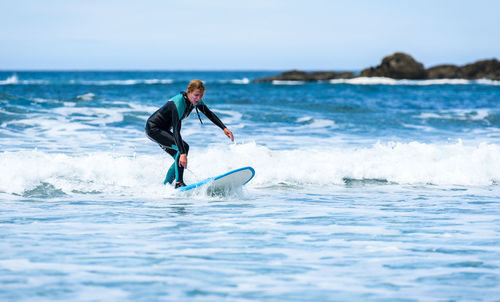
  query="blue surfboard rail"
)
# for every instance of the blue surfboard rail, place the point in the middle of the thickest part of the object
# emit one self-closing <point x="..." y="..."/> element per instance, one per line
<point x="210" y="179"/>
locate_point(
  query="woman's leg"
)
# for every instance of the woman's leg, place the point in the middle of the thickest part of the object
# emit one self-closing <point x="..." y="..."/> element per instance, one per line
<point x="166" y="141"/>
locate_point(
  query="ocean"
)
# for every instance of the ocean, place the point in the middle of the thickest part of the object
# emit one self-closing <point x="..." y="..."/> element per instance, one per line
<point x="368" y="189"/>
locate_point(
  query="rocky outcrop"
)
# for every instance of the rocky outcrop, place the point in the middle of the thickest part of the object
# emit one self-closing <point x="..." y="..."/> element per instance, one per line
<point x="397" y="66"/>
<point x="444" y="72"/>
<point x="297" y="75"/>
<point x="401" y="66"/>
<point x="486" y="69"/>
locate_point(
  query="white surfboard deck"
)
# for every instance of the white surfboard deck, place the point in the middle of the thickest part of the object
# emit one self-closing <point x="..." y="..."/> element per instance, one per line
<point x="224" y="182"/>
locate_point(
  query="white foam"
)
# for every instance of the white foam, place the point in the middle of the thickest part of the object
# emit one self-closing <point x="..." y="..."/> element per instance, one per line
<point x="457" y="114"/>
<point x="277" y="82"/>
<point x="243" y="81"/>
<point x="438" y="82"/>
<point x="46" y="101"/>
<point x="304" y="119"/>
<point x="142" y="175"/>
<point x="12" y="80"/>
<point x="365" y="81"/>
<point x="73" y="127"/>
<point x="488" y="82"/>
<point x="138" y="107"/>
<point x="95" y="172"/>
<point x="229" y="116"/>
<point x="158" y="81"/>
<point x="125" y="82"/>
<point x="34" y="82"/>
<point x="419" y="127"/>
<point x="98" y="116"/>
<point x="405" y="163"/>
<point x="86" y="97"/>
<point x="390" y="81"/>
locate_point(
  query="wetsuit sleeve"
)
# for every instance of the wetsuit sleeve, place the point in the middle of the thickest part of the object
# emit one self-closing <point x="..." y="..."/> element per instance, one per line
<point x="176" y="128"/>
<point x="211" y="116"/>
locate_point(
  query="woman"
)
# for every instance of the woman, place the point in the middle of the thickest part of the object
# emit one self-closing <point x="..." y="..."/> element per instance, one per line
<point x="164" y="127"/>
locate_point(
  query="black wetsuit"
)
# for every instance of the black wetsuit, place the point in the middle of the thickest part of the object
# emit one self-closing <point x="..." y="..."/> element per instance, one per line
<point x="164" y="127"/>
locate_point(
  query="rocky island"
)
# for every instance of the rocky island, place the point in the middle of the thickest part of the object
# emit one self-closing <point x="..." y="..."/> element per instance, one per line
<point x="400" y="66"/>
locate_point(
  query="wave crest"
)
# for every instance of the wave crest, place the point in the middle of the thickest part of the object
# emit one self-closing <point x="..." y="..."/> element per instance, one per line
<point x="389" y="81"/>
<point x="12" y="80"/>
<point x="412" y="163"/>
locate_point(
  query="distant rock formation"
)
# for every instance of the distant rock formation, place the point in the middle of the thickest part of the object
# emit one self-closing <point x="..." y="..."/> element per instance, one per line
<point x="486" y="69"/>
<point x="444" y="72"/>
<point x="297" y="75"/>
<point x="401" y="66"/>
<point x="397" y="66"/>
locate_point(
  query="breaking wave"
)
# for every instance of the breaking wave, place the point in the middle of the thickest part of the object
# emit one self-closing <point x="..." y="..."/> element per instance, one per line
<point x="39" y="172"/>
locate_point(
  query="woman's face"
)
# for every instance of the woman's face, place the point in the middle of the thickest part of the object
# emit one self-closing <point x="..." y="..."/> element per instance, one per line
<point x="195" y="96"/>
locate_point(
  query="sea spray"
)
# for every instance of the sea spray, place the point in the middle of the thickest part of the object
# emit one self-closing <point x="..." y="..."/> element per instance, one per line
<point x="399" y="163"/>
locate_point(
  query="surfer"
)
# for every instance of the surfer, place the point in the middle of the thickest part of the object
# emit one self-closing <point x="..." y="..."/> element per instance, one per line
<point x="164" y="127"/>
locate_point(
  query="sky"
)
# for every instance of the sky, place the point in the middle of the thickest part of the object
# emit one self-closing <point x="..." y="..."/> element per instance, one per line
<point x="243" y="35"/>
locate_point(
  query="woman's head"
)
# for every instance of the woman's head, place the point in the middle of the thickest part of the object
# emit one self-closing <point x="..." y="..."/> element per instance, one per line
<point x="196" y="84"/>
<point x="195" y="91"/>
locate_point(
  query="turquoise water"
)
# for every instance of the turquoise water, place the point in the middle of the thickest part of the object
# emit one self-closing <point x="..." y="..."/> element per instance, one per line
<point x="373" y="189"/>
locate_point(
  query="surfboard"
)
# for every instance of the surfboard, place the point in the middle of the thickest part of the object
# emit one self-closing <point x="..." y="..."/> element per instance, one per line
<point x="224" y="182"/>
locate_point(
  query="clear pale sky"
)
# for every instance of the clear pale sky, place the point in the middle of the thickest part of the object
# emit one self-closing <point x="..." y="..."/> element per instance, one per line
<point x="242" y="35"/>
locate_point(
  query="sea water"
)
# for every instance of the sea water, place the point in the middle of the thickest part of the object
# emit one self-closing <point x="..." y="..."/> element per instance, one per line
<point x="368" y="189"/>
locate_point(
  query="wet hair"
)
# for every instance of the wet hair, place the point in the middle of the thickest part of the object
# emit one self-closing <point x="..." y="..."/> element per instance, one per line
<point x="195" y="84"/>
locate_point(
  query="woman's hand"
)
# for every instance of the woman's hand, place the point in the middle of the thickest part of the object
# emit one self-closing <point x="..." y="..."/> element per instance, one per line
<point x="229" y="134"/>
<point x="183" y="161"/>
